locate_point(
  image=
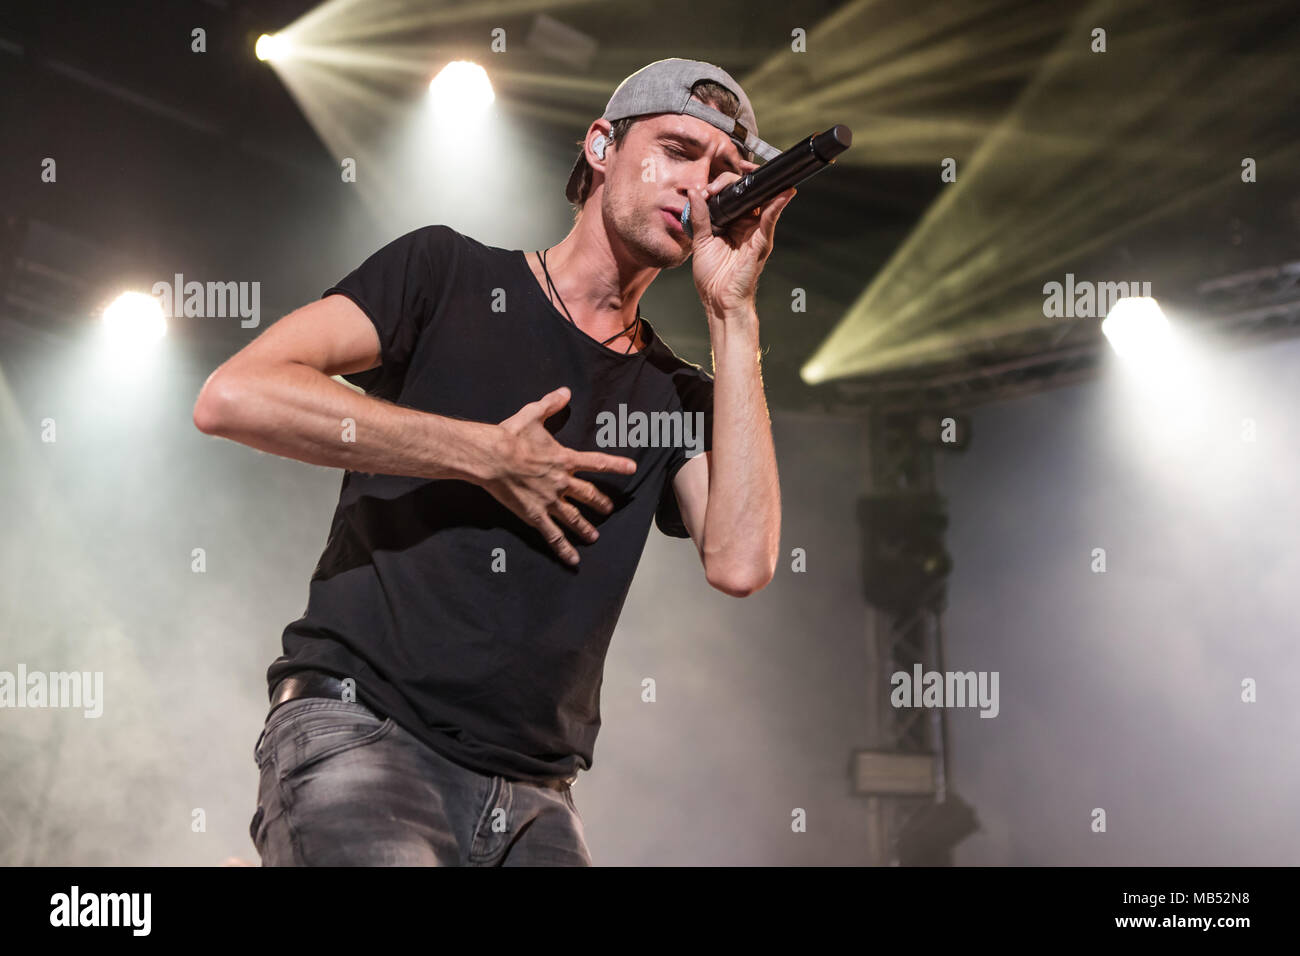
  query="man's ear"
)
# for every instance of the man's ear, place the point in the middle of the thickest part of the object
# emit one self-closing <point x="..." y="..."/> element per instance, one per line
<point x="600" y="128"/>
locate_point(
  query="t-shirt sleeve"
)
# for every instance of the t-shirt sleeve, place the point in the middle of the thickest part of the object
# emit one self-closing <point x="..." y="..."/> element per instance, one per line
<point x="398" y="288"/>
<point x="695" y="389"/>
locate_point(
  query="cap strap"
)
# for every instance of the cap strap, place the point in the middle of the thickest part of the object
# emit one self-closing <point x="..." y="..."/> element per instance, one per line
<point x="742" y="136"/>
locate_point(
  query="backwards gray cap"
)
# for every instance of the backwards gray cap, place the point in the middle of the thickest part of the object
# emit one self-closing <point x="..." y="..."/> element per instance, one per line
<point x="665" y="87"/>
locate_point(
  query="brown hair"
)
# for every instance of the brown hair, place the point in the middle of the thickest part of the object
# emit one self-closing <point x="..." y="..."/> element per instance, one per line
<point x="707" y="91"/>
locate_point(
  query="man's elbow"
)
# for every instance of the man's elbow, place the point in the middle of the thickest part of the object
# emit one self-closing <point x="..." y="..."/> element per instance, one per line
<point x="212" y="409"/>
<point x="739" y="583"/>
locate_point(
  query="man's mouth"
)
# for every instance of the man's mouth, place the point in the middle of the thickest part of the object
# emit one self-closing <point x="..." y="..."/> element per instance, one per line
<point x="674" y="217"/>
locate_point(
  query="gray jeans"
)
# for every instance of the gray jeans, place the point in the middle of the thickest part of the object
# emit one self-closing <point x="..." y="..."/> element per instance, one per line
<point x="342" y="786"/>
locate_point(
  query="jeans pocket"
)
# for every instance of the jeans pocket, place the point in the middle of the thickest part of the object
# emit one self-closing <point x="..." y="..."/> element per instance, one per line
<point x="330" y="727"/>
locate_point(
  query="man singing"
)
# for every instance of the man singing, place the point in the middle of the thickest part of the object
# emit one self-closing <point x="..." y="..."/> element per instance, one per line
<point x="441" y="691"/>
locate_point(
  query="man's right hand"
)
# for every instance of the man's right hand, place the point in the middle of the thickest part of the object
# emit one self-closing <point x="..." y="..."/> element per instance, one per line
<point x="535" y="475"/>
<point x="276" y="395"/>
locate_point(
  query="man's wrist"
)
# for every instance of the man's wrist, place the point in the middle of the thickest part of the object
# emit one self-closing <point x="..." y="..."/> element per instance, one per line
<point x="735" y="332"/>
<point x="464" y="450"/>
<point x="740" y="316"/>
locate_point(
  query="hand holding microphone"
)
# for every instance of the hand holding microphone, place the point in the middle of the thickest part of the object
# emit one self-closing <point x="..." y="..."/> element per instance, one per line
<point x="796" y="164"/>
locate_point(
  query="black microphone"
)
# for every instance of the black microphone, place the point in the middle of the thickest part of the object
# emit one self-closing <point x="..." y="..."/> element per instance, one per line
<point x="774" y="177"/>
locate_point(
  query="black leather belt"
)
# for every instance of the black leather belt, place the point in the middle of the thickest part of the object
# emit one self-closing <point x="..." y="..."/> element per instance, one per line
<point x="308" y="684"/>
<point x="320" y="684"/>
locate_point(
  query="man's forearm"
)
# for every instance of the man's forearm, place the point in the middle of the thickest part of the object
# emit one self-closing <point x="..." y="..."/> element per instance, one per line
<point x="742" y="523"/>
<point x="296" y="411"/>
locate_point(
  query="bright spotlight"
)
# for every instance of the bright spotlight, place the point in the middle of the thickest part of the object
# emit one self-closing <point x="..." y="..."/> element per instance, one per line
<point x="461" y="89"/>
<point x="1137" y="328"/>
<point x="812" y="372"/>
<point x="272" y="46"/>
<point x="134" y="320"/>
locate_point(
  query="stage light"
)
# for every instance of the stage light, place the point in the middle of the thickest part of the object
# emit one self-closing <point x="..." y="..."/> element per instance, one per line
<point x="272" y="47"/>
<point x="1137" y="328"/>
<point x="134" y="320"/>
<point x="461" y="89"/>
<point x="812" y="372"/>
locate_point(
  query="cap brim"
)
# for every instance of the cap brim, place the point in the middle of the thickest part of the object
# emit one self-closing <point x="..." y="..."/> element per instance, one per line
<point x="575" y="177"/>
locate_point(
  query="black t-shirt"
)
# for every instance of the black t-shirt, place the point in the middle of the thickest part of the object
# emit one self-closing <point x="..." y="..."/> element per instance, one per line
<point x="498" y="670"/>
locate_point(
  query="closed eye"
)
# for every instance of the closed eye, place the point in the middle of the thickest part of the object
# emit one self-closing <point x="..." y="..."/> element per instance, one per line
<point x="682" y="154"/>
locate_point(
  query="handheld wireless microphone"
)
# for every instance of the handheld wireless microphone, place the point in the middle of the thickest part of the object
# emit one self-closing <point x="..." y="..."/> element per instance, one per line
<point x="774" y="177"/>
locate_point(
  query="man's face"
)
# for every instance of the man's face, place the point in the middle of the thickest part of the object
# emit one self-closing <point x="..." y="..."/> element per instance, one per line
<point x="647" y="179"/>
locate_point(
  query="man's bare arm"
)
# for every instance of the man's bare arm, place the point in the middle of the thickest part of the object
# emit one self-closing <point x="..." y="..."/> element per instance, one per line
<point x="276" y="395"/>
<point x="731" y="501"/>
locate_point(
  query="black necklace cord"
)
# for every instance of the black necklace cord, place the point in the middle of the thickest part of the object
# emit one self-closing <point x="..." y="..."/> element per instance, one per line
<point x="541" y="257"/>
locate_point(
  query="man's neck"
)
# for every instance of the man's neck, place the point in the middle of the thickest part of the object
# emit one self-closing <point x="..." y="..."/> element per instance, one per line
<point x="599" y="292"/>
